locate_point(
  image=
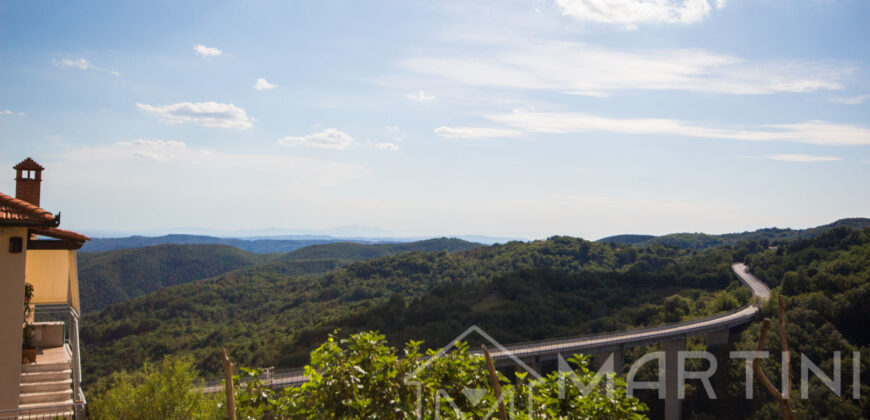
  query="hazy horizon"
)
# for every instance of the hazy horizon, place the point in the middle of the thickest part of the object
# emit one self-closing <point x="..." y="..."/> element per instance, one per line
<point x="363" y="233"/>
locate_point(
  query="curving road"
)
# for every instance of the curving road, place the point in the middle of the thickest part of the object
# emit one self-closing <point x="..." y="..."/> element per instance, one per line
<point x="602" y="342"/>
<point x="758" y="287"/>
<point x="622" y="340"/>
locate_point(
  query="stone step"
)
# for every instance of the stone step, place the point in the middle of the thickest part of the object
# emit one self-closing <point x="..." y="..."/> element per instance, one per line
<point x="45" y="367"/>
<point x="52" y="376"/>
<point x="30" y="387"/>
<point x="50" y="397"/>
<point x="62" y="410"/>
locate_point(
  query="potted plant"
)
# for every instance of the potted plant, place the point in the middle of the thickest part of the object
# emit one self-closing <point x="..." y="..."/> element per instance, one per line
<point x="28" y="350"/>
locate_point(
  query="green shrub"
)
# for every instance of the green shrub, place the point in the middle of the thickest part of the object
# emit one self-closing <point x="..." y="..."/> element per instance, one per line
<point x="362" y="377"/>
<point x="166" y="390"/>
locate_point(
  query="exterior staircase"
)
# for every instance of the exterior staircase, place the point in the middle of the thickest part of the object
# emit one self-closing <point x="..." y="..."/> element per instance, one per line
<point x="46" y="385"/>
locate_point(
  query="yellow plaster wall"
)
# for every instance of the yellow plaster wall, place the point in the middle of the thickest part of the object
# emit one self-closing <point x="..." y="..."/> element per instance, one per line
<point x="12" y="269"/>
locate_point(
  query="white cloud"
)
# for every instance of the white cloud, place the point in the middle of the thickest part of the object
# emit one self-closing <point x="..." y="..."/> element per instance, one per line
<point x="10" y="112"/>
<point x="156" y="150"/>
<point x="592" y="93"/>
<point x="391" y="128"/>
<point x="593" y="70"/>
<point x="420" y="97"/>
<point x="632" y="12"/>
<point x="475" y="132"/>
<point x="206" y="114"/>
<point x="262" y="84"/>
<point x="803" y="158"/>
<point x="81" y="64"/>
<point x="213" y="170"/>
<point x="387" y="146"/>
<point x="206" y="51"/>
<point x="852" y="100"/>
<point x="812" y="132"/>
<point x="329" y="138"/>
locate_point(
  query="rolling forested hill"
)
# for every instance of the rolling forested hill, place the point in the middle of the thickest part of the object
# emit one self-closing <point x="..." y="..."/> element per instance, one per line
<point x="273" y="313"/>
<point x="772" y="236"/>
<point x="351" y="251"/>
<point x="266" y="316"/>
<point x="115" y="276"/>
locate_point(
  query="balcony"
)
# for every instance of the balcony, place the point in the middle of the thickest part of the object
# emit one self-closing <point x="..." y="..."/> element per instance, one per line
<point x="51" y="386"/>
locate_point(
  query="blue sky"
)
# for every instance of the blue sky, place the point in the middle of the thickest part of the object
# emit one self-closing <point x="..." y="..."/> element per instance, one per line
<point x="521" y="118"/>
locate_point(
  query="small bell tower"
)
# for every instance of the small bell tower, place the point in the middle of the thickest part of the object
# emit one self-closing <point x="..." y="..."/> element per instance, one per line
<point x="28" y="177"/>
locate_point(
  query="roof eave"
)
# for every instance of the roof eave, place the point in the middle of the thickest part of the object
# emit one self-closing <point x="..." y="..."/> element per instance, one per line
<point x="30" y="223"/>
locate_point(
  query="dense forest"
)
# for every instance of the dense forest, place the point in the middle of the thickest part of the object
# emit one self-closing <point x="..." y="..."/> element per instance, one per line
<point x="826" y="284"/>
<point x="268" y="316"/>
<point x="276" y="312"/>
<point x="115" y="276"/>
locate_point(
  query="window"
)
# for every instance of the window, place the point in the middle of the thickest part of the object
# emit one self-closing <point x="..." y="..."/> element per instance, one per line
<point x="15" y="245"/>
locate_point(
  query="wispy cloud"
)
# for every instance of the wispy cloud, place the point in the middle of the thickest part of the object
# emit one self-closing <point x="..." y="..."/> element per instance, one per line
<point x="420" y="97"/>
<point x="812" y="132"/>
<point x="263" y="84"/>
<point x="81" y="64"/>
<point x="329" y="138"/>
<point x="206" y="51"/>
<point x="633" y="12"/>
<point x="593" y="70"/>
<point x="387" y="146"/>
<point x="10" y="112"/>
<point x="156" y="150"/>
<point x="138" y="157"/>
<point x="592" y="93"/>
<point x="803" y="158"/>
<point x="206" y="114"/>
<point x="475" y="132"/>
<point x="852" y="100"/>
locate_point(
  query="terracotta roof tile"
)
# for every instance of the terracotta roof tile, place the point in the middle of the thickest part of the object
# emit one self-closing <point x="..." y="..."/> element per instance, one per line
<point x="56" y="233"/>
<point x="21" y="213"/>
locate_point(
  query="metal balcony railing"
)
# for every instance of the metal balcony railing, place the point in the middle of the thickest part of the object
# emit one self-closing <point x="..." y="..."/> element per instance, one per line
<point x="70" y="319"/>
<point x="48" y="412"/>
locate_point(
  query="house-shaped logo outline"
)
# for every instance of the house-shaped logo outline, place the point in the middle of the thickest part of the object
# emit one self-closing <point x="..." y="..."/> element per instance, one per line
<point x="410" y="378"/>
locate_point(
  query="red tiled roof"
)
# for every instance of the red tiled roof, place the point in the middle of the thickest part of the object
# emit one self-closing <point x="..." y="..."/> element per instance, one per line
<point x="28" y="165"/>
<point x="21" y="213"/>
<point x="56" y="233"/>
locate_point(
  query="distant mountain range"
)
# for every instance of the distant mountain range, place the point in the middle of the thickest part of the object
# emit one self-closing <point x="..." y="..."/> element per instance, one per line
<point x="259" y="244"/>
<point x="703" y="240"/>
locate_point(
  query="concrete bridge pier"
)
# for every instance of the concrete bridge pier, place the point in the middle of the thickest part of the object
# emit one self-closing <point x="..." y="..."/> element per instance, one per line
<point x="717" y="344"/>
<point x="673" y="405"/>
<point x="618" y="361"/>
<point x="717" y="339"/>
